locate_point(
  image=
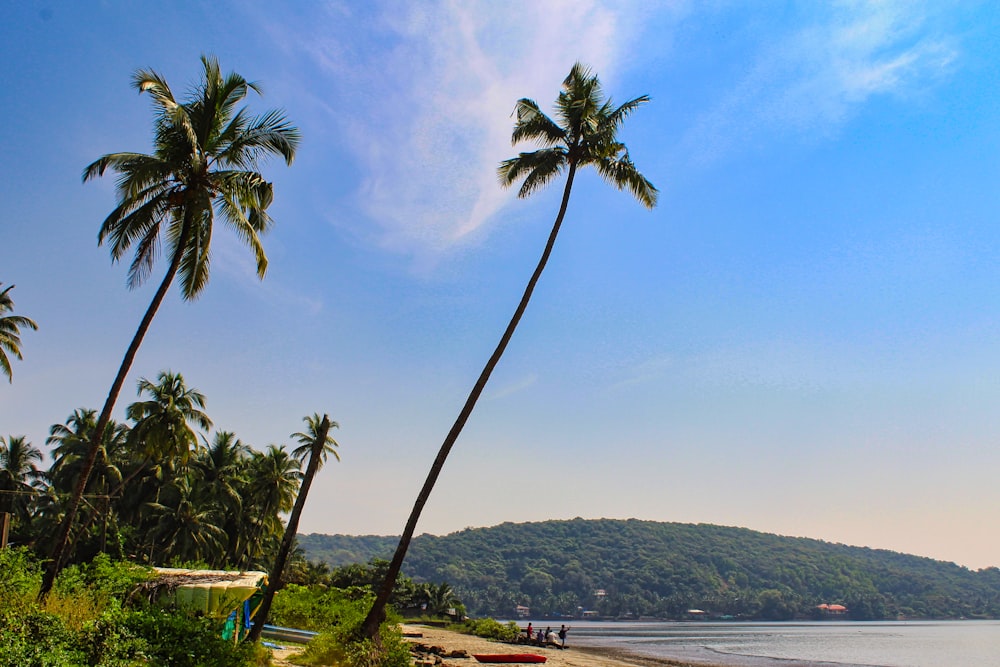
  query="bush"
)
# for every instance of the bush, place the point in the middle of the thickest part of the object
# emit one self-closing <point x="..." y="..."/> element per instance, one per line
<point x="85" y="622"/>
<point x="491" y="629"/>
<point x="338" y="615"/>
<point x="34" y="638"/>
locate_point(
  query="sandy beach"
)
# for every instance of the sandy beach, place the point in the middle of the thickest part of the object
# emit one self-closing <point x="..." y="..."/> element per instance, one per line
<point x="583" y="656"/>
<point x="446" y="642"/>
<point x="573" y="656"/>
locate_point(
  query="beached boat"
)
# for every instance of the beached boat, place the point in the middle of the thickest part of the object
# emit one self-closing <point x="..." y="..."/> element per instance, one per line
<point x="508" y="657"/>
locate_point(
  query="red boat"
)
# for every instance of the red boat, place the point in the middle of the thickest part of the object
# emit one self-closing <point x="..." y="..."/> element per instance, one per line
<point x="509" y="657"/>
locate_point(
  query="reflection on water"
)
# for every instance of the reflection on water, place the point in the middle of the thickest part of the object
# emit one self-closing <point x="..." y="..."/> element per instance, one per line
<point x="884" y="644"/>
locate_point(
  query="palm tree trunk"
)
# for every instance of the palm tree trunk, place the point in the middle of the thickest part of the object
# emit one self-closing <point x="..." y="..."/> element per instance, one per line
<point x="377" y="613"/>
<point x="274" y="580"/>
<point x="62" y="536"/>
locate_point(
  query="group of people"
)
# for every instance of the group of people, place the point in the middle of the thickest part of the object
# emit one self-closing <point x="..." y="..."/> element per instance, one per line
<point x="547" y="638"/>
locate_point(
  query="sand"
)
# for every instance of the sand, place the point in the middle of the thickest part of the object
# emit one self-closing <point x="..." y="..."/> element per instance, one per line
<point x="573" y="656"/>
<point x="449" y="641"/>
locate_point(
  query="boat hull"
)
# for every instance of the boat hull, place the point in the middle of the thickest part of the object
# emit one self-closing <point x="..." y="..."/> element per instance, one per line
<point x="509" y="657"/>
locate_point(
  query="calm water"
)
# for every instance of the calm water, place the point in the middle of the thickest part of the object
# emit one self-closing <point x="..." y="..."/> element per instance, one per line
<point x="885" y="644"/>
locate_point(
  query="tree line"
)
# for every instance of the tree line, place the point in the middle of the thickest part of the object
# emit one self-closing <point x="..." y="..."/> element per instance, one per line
<point x="630" y="569"/>
<point x="164" y="487"/>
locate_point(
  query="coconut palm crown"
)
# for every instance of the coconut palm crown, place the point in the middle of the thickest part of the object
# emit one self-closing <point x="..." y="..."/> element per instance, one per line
<point x="204" y="161"/>
<point x="10" y="331"/>
<point x="588" y="135"/>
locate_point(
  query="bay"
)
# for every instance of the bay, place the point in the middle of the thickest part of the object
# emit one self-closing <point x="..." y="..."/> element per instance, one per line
<point x="880" y="644"/>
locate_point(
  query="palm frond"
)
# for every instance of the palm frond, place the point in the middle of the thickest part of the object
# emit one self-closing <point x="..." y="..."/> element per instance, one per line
<point x="145" y="256"/>
<point x="622" y="174"/>
<point x="116" y="161"/>
<point x="127" y="224"/>
<point x="613" y="121"/>
<point x="537" y="168"/>
<point x="195" y="252"/>
<point x="233" y="214"/>
<point x="533" y="125"/>
<point x="263" y="136"/>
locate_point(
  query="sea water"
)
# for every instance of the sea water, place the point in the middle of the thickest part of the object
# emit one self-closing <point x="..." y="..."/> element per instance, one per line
<point x="883" y="644"/>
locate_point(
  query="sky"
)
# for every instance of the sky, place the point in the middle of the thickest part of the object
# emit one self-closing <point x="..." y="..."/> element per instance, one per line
<point x="803" y="338"/>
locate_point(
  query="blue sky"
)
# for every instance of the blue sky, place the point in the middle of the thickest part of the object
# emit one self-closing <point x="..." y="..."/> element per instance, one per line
<point x="803" y="338"/>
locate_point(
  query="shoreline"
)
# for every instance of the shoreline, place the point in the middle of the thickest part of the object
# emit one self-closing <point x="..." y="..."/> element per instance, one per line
<point x="588" y="655"/>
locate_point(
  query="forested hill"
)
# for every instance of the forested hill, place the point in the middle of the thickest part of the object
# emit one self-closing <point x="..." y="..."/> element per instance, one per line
<point x="626" y="569"/>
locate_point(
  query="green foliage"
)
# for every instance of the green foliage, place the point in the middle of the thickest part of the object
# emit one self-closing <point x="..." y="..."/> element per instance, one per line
<point x="656" y="569"/>
<point x="85" y="621"/>
<point x="102" y="577"/>
<point x="337" y="615"/>
<point x="314" y="608"/>
<point x="30" y="637"/>
<point x="19" y="575"/>
<point x="491" y="629"/>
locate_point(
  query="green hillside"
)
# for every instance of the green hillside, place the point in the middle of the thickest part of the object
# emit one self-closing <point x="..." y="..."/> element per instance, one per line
<point x="627" y="569"/>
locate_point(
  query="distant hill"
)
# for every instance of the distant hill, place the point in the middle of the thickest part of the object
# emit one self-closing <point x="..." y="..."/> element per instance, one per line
<point x="631" y="568"/>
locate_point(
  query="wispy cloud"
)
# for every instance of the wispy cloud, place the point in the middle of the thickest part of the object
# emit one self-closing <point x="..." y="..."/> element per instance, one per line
<point x="429" y="114"/>
<point x="810" y="79"/>
<point x="514" y="386"/>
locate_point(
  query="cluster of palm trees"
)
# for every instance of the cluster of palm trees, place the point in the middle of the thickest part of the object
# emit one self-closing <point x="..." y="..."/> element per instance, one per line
<point x="164" y="488"/>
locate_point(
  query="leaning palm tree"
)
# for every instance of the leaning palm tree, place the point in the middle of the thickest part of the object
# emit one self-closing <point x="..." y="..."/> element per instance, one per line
<point x="206" y="152"/>
<point x="10" y="331"/>
<point x="316" y="443"/>
<point x="586" y="134"/>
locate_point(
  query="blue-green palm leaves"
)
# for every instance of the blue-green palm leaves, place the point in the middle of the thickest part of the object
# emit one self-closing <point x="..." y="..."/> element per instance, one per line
<point x="206" y="152"/>
<point x="19" y="474"/>
<point x="10" y="331"/>
<point x="163" y="423"/>
<point x="308" y="440"/>
<point x="586" y="134"/>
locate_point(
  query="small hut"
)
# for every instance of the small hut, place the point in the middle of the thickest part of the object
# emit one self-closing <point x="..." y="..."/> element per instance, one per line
<point x="232" y="597"/>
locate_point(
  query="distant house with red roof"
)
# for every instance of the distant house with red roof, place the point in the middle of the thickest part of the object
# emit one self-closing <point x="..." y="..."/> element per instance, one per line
<point x="832" y="609"/>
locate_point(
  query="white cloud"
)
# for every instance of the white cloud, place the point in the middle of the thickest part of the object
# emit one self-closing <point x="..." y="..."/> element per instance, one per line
<point x="810" y="80"/>
<point x="429" y="118"/>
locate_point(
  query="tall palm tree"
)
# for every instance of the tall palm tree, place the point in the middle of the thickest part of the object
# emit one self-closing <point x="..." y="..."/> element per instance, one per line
<point x="273" y="480"/>
<point x="206" y="152"/>
<point x="71" y="447"/>
<point x="183" y="529"/>
<point x="19" y="476"/>
<point x="315" y="443"/>
<point x="586" y="134"/>
<point x="221" y="467"/>
<point x="10" y="331"/>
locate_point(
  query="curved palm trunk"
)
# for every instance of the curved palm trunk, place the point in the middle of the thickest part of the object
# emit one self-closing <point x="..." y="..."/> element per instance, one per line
<point x="62" y="536"/>
<point x="377" y="614"/>
<point x="274" y="580"/>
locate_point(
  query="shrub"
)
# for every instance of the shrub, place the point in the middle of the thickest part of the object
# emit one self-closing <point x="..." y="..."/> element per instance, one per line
<point x="85" y="622"/>
<point x="338" y="615"/>
<point x="491" y="629"/>
<point x="34" y="638"/>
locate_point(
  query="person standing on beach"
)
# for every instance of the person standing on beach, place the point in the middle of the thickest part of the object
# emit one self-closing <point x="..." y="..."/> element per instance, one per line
<point x="529" y="632"/>
<point x="562" y="636"/>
